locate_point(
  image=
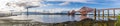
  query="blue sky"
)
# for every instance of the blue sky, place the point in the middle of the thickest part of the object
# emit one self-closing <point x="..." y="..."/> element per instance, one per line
<point x="77" y="4"/>
<point x="80" y="3"/>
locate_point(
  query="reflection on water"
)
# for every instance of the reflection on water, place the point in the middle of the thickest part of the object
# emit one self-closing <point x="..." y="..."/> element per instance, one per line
<point x="53" y="18"/>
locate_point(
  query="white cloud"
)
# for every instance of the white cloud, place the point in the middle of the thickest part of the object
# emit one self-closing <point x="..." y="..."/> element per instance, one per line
<point x="14" y="4"/>
<point x="69" y="0"/>
<point x="82" y="1"/>
<point x="114" y="3"/>
<point x="105" y="2"/>
<point x="55" y="10"/>
<point x="65" y="3"/>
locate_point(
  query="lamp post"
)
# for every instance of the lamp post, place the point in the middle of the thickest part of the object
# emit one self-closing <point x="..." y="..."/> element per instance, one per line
<point x="11" y="12"/>
<point x="27" y="12"/>
<point x="28" y="9"/>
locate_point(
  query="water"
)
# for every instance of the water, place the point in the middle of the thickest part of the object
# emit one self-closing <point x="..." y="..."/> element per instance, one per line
<point x="47" y="18"/>
<point x="52" y="18"/>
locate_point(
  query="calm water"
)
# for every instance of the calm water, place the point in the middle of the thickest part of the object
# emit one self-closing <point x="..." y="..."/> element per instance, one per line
<point x="52" y="19"/>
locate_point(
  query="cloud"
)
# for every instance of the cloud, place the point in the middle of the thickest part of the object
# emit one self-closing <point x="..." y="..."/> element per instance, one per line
<point x="115" y="2"/>
<point x="69" y="0"/>
<point x="65" y="3"/>
<point x="54" y="10"/>
<point x="82" y="1"/>
<point x="19" y="4"/>
<point x="102" y="2"/>
<point x="108" y="2"/>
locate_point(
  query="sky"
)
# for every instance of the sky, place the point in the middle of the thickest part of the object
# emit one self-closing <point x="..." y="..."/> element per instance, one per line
<point x="57" y="5"/>
<point x="89" y="3"/>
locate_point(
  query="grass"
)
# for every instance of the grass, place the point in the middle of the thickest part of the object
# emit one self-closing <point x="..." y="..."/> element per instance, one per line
<point x="118" y="21"/>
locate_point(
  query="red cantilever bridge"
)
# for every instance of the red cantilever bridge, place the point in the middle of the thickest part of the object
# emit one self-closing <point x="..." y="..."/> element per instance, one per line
<point x="85" y="10"/>
<point x="93" y="9"/>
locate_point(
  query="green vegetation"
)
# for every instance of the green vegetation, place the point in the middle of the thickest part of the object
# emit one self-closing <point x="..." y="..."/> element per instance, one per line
<point x="118" y="21"/>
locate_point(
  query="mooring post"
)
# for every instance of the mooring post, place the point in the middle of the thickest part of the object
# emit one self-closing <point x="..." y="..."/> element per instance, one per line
<point x="108" y="14"/>
<point x="103" y="14"/>
<point x="95" y="13"/>
<point x="103" y="17"/>
<point x="98" y="14"/>
<point x="99" y="17"/>
<point x="114" y="13"/>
